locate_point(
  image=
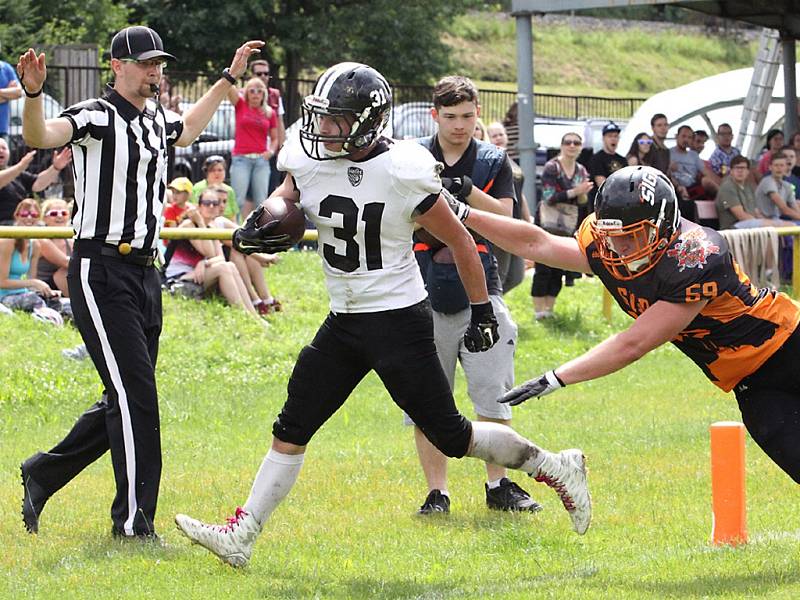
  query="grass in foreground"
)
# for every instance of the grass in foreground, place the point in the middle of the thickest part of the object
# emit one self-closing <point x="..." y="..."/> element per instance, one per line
<point x="347" y="530"/>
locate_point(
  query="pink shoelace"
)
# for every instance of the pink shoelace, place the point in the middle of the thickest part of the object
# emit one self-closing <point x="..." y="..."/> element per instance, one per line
<point x="566" y="499"/>
<point x="233" y="521"/>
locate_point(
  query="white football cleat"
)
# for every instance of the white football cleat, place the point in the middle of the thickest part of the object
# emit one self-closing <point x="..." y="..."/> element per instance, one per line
<point x="232" y="542"/>
<point x="565" y="472"/>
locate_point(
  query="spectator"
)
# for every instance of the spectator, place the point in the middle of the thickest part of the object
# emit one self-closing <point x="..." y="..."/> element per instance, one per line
<point x="774" y="144"/>
<point x="9" y="90"/>
<point x="180" y="190"/>
<point x="166" y="98"/>
<point x="511" y="123"/>
<point x="693" y="179"/>
<point x="606" y="160"/>
<point x="736" y="200"/>
<point x="774" y="195"/>
<point x="480" y="132"/>
<point x="202" y="262"/>
<point x="699" y="140"/>
<point x="54" y="253"/>
<point x="214" y="171"/>
<point x="794" y="142"/>
<point x="19" y="259"/>
<point x="261" y="69"/>
<point x="659" y="153"/>
<point x="792" y="179"/>
<point x="252" y="150"/>
<point x="510" y="268"/>
<point x="720" y="160"/>
<point x="565" y="187"/>
<point x="25" y="183"/>
<point x="250" y="266"/>
<point x="639" y="152"/>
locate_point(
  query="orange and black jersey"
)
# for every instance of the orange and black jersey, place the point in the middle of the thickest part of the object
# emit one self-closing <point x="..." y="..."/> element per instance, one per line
<point x="739" y="328"/>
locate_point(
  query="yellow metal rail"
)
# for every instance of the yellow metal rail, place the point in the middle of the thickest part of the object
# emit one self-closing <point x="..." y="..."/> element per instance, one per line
<point x="167" y="233"/>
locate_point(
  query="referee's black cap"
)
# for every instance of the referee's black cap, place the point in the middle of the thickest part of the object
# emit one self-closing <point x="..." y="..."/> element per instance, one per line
<point x="138" y="43"/>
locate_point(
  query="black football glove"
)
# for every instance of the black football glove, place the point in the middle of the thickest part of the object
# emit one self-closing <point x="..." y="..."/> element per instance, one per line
<point x="459" y="208"/>
<point x="482" y="332"/>
<point x="460" y="187"/>
<point x="251" y="238"/>
<point x="533" y="388"/>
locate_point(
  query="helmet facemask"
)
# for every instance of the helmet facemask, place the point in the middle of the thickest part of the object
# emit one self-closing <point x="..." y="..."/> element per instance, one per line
<point x="629" y="251"/>
<point x="362" y="133"/>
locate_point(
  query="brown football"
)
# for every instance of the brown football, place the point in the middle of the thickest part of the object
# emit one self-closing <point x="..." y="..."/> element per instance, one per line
<point x="289" y="215"/>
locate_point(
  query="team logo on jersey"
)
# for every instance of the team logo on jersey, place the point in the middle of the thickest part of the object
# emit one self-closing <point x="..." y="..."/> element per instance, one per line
<point x="355" y="175"/>
<point x="693" y="249"/>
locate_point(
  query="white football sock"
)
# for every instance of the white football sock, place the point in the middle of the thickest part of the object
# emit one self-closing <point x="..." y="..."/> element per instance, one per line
<point x="275" y="478"/>
<point x="493" y="485"/>
<point x="500" y="445"/>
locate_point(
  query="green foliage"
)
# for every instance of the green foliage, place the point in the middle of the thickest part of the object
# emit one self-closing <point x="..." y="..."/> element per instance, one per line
<point x="347" y="530"/>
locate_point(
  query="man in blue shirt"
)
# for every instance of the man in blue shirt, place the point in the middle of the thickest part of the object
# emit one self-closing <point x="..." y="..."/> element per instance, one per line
<point x="9" y="90"/>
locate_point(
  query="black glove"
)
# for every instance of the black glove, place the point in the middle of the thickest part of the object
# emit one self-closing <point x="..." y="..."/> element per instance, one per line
<point x="541" y="386"/>
<point x="461" y="209"/>
<point x="460" y="187"/>
<point x="482" y="332"/>
<point x="250" y="238"/>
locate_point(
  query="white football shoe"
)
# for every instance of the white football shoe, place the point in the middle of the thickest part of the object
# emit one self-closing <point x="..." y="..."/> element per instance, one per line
<point x="232" y="542"/>
<point x="565" y="472"/>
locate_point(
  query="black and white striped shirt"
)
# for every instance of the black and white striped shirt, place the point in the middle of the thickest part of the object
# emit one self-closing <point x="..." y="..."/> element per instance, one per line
<point x="119" y="159"/>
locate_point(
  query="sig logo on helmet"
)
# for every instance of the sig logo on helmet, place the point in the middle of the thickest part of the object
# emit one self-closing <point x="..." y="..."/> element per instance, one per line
<point x="647" y="188"/>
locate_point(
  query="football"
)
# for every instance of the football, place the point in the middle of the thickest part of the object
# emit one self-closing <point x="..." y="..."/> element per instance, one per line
<point x="289" y="215"/>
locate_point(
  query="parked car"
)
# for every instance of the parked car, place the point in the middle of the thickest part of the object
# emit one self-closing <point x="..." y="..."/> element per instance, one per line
<point x="52" y="108"/>
<point x="216" y="138"/>
<point x="412" y="120"/>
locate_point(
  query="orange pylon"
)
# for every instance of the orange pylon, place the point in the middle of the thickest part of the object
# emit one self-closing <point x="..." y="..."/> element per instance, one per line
<point x="729" y="517"/>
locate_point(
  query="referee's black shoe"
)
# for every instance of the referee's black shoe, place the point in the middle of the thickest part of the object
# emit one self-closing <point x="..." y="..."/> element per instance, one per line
<point x="137" y="537"/>
<point x="33" y="499"/>
<point x="509" y="496"/>
<point x="436" y="503"/>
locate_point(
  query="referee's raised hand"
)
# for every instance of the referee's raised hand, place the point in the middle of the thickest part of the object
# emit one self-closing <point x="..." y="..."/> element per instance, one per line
<point x="243" y="53"/>
<point x="32" y="70"/>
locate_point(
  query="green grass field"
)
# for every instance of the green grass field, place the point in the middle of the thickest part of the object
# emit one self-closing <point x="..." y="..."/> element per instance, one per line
<point x="348" y="529"/>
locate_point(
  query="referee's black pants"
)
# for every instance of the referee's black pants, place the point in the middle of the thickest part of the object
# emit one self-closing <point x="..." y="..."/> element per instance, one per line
<point x="117" y="309"/>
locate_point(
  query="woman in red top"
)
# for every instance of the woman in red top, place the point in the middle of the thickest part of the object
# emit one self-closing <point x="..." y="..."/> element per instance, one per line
<point x="255" y="120"/>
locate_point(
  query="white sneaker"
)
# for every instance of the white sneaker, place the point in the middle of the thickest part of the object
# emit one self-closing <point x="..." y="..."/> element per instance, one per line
<point x="232" y="542"/>
<point x="565" y="472"/>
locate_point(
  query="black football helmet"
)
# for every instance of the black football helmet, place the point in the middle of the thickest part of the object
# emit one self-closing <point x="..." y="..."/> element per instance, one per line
<point x="355" y="91"/>
<point x="637" y="218"/>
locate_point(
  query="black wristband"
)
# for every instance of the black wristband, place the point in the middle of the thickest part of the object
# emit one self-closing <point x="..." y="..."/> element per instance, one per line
<point x="28" y="94"/>
<point x="226" y="74"/>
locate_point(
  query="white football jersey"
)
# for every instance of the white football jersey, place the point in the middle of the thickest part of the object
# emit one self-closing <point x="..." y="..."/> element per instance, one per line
<point x="363" y="212"/>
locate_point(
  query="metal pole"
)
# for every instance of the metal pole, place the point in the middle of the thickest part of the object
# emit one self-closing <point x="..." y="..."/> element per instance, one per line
<point x="525" y="112"/>
<point x="789" y="86"/>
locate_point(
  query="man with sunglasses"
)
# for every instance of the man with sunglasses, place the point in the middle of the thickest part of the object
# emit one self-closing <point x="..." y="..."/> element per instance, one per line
<point x="260" y="68"/>
<point x="120" y="143"/>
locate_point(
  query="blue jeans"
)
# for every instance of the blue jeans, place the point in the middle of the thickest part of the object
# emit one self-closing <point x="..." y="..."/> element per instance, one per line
<point x="249" y="175"/>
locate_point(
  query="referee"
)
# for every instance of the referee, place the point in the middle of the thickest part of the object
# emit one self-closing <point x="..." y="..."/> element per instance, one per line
<point x="119" y="144"/>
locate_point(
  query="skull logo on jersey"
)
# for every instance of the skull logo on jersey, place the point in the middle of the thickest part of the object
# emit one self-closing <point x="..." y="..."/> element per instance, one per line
<point x="352" y="98"/>
<point x="692" y="250"/>
<point x="355" y="175"/>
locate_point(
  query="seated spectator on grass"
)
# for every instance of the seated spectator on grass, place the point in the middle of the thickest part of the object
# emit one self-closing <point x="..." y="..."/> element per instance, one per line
<point x="639" y="152"/>
<point x="20" y="289"/>
<point x="54" y="253"/>
<point x="659" y="153"/>
<point x="720" y="159"/>
<point x="792" y="179"/>
<point x="794" y="142"/>
<point x="693" y="179"/>
<point x="251" y="267"/>
<point x="736" y="200"/>
<point x="214" y="172"/>
<point x="202" y="261"/>
<point x="25" y="184"/>
<point x="774" y="195"/>
<point x="699" y="140"/>
<point x="180" y="190"/>
<point x="774" y="144"/>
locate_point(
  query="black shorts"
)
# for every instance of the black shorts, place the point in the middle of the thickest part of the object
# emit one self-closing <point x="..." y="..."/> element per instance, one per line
<point x="769" y="400"/>
<point x="399" y="346"/>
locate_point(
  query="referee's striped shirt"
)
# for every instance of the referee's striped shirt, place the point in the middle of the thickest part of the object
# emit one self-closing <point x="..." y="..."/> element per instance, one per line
<point x="119" y="159"/>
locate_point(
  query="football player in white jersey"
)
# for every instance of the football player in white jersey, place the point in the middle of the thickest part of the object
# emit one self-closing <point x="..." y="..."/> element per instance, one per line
<point x="364" y="193"/>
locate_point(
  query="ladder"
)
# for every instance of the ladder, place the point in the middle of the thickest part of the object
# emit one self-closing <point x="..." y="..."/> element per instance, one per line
<point x="759" y="96"/>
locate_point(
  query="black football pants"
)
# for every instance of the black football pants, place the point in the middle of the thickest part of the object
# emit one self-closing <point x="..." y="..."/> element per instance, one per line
<point x="769" y="400"/>
<point x="117" y="309"/>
